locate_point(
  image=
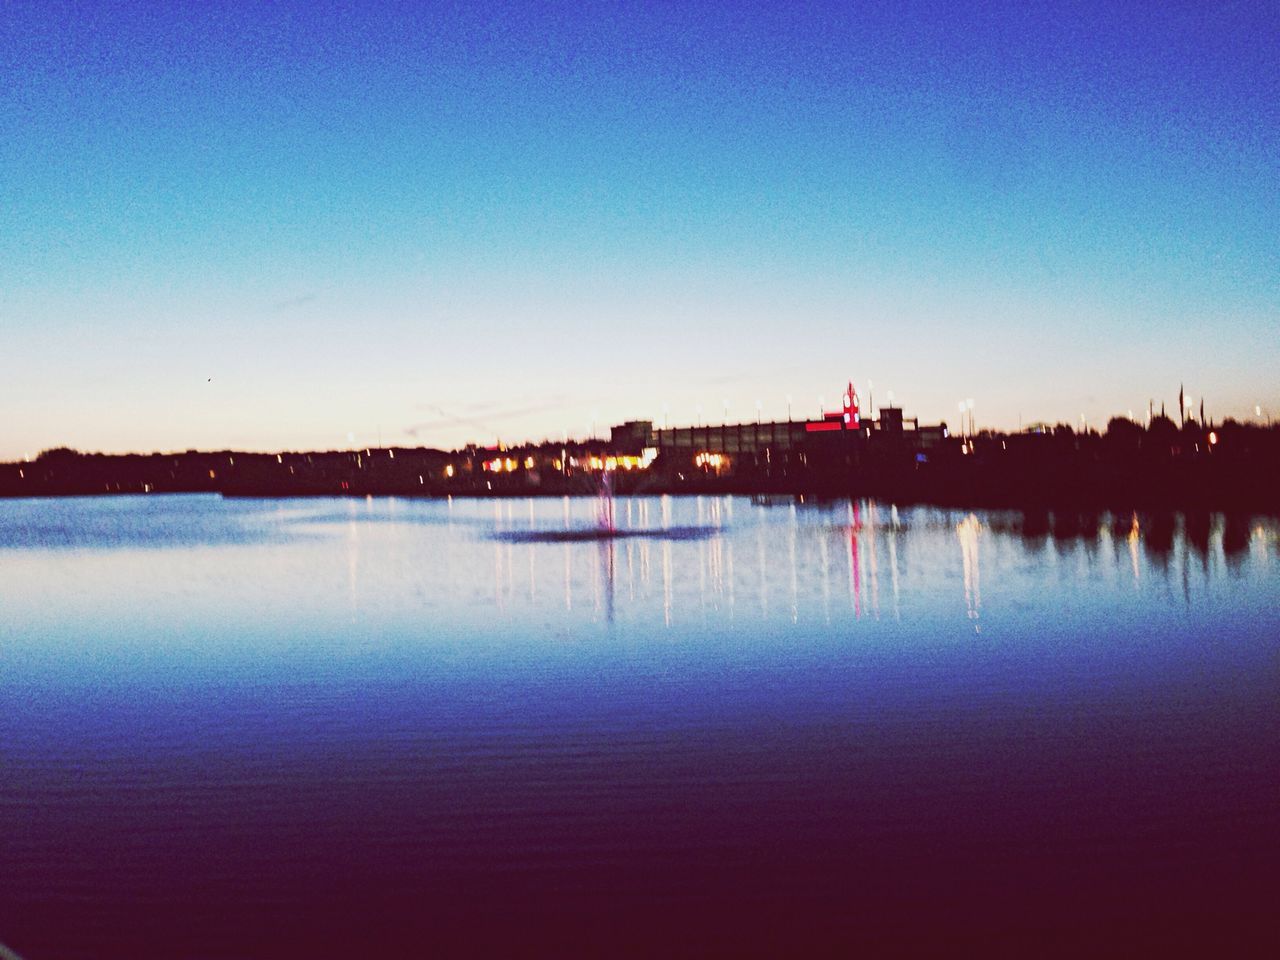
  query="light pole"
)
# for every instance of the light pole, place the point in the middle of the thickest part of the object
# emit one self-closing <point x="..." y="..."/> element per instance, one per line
<point x="788" y="408"/>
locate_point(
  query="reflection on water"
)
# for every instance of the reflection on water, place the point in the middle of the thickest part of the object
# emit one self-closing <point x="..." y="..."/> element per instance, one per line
<point x="461" y="718"/>
<point x="667" y="559"/>
<point x="967" y="530"/>
<point x="819" y="557"/>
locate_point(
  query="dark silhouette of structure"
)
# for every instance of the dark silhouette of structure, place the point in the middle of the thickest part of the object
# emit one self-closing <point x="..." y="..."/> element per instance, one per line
<point x="847" y="452"/>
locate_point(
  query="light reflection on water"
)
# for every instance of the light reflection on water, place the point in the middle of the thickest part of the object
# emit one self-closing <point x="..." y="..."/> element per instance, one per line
<point x="308" y="702"/>
<point x="673" y="562"/>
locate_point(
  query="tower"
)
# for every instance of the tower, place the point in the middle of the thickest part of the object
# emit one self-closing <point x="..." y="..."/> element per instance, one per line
<point x="852" y="420"/>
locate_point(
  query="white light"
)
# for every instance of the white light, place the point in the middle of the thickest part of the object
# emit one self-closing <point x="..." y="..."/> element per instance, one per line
<point x="1257" y="411"/>
<point x="960" y="406"/>
<point x="846" y="418"/>
<point x="847" y="400"/>
<point x="969" y="403"/>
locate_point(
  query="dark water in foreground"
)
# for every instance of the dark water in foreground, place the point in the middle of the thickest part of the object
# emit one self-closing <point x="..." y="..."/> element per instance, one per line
<point x="393" y="728"/>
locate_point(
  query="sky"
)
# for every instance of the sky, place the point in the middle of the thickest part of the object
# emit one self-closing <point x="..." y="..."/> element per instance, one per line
<point x="308" y="225"/>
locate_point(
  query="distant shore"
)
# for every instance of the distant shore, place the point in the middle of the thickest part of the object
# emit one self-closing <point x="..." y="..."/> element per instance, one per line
<point x="1232" y="467"/>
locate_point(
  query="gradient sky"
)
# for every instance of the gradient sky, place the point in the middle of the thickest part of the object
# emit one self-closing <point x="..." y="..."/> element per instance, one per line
<point x="284" y="225"/>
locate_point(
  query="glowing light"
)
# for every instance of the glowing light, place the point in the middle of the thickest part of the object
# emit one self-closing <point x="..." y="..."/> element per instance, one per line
<point x="1213" y="437"/>
<point x="847" y="418"/>
<point x="509" y="464"/>
<point x="448" y="470"/>
<point x="528" y="463"/>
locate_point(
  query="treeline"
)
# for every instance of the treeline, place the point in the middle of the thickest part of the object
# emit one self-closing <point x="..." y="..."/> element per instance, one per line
<point x="1224" y="466"/>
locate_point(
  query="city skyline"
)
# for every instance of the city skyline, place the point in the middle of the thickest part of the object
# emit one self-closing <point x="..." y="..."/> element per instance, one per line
<point x="309" y="228"/>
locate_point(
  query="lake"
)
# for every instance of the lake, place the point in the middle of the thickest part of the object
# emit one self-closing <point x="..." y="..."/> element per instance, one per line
<point x="390" y="727"/>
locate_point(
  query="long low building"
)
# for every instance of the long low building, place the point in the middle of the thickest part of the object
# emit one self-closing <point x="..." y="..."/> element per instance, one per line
<point x="779" y="436"/>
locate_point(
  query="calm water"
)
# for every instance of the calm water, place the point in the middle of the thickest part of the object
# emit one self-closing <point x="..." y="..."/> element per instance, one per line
<point x="400" y="728"/>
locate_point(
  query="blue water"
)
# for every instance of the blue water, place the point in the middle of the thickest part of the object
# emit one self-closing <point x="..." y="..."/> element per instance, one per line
<point x="408" y="728"/>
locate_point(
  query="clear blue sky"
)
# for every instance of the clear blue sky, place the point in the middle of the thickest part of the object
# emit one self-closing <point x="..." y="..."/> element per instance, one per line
<point x="278" y="225"/>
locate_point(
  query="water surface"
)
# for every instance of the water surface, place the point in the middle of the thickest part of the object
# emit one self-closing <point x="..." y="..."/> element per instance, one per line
<point x="396" y="727"/>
